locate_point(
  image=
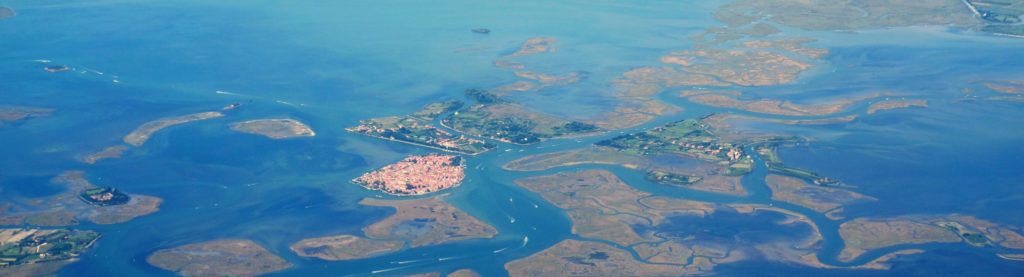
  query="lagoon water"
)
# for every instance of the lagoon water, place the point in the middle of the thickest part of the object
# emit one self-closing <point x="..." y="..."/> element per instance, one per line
<point x="332" y="63"/>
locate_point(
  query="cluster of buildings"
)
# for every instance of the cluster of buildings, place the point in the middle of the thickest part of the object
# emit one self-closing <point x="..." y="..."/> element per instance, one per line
<point x="421" y="134"/>
<point x="416" y="175"/>
<point x="733" y="153"/>
<point x="26" y="246"/>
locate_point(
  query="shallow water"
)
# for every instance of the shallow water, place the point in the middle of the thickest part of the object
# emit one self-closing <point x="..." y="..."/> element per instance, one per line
<point x="330" y="64"/>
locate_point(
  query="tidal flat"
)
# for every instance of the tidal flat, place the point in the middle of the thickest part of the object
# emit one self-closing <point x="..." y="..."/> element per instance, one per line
<point x="822" y="102"/>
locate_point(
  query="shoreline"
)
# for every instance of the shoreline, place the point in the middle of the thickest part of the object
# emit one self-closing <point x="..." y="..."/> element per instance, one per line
<point x="423" y="145"/>
<point x="367" y="187"/>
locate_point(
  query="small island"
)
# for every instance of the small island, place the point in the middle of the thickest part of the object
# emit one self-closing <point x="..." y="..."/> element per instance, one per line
<point x="112" y="152"/>
<point x="41" y="252"/>
<point x="105" y="196"/>
<point x="274" y="128"/>
<point x="416" y="175"/>
<point x="227" y="257"/>
<point x="80" y="200"/>
<point x="141" y="134"/>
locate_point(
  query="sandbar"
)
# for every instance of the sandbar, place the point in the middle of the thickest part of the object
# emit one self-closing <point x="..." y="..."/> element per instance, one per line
<point x="141" y="134"/>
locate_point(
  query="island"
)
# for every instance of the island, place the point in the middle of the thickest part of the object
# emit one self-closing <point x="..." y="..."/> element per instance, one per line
<point x="80" y="200"/>
<point x="533" y="46"/>
<point x="415" y="223"/>
<point x="865" y="234"/>
<point x="9" y="114"/>
<point x="141" y="134"/>
<point x="662" y="230"/>
<point x="274" y="128"/>
<point x="112" y="152"/>
<point x="416" y="175"/>
<point x="105" y="196"/>
<point x="995" y="90"/>
<point x="689" y="137"/>
<point x="228" y="257"/>
<point x="1006" y="87"/>
<point x="416" y="129"/>
<point x="41" y="252"/>
<point x="6" y="13"/>
<point x="497" y="118"/>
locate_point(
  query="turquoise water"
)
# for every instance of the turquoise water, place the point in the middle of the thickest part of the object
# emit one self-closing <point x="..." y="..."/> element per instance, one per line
<point x="331" y="63"/>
